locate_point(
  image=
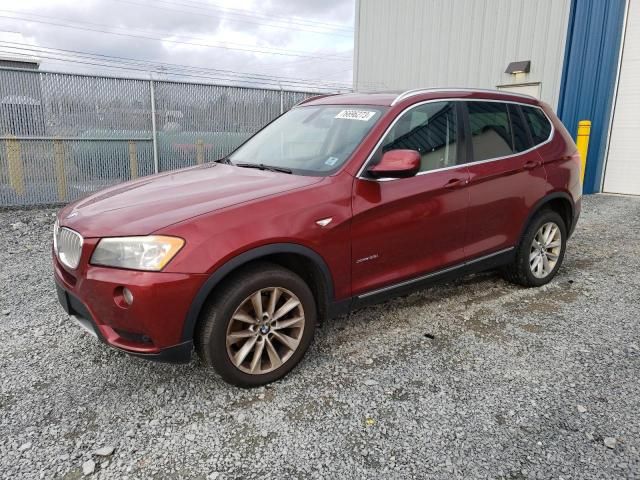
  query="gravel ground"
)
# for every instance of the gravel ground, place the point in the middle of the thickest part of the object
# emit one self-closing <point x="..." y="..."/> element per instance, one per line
<point x="473" y="379"/>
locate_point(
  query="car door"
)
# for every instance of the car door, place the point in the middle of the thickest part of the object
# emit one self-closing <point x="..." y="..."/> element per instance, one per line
<point x="506" y="176"/>
<point x="402" y="228"/>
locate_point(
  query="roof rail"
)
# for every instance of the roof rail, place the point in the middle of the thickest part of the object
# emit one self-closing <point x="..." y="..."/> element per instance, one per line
<point x="418" y="91"/>
<point x="314" y="97"/>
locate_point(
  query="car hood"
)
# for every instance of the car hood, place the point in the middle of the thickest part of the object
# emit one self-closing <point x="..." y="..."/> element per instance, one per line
<point x="143" y="206"/>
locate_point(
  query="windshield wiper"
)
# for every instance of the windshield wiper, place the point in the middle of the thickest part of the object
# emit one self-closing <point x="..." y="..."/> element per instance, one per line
<point x="224" y="160"/>
<point x="262" y="166"/>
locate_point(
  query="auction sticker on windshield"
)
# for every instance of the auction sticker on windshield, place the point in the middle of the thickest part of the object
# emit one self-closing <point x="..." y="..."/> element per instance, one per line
<point x="362" y="115"/>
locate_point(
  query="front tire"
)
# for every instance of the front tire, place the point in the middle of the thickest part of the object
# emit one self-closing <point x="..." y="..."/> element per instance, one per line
<point x="540" y="252"/>
<point x="258" y="326"/>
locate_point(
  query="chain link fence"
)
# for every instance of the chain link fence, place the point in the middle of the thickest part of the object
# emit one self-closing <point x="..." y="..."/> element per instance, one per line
<point x="63" y="136"/>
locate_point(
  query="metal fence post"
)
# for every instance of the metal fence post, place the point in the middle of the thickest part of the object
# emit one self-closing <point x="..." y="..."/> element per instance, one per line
<point x="199" y="151"/>
<point x="61" y="176"/>
<point x="133" y="159"/>
<point x="281" y="100"/>
<point x="16" y="166"/>
<point x="153" y="126"/>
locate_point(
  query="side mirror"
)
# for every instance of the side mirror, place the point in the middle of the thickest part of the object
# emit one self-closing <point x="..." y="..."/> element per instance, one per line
<point x="397" y="164"/>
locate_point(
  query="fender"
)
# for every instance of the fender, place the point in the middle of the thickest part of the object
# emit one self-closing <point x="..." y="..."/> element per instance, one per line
<point x="220" y="273"/>
<point x="546" y="199"/>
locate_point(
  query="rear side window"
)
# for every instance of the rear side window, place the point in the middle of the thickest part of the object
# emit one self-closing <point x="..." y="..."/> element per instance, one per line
<point x="538" y="124"/>
<point x="491" y="131"/>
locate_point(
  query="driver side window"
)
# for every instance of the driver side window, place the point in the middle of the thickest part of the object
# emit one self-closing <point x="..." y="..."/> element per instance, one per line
<point x="431" y="130"/>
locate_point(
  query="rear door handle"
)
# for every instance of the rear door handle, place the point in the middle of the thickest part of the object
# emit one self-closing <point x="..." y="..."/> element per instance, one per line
<point x="531" y="164"/>
<point x="456" y="183"/>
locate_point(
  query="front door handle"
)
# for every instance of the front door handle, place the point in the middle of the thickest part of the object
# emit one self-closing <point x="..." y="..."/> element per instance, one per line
<point x="531" y="164"/>
<point x="456" y="183"/>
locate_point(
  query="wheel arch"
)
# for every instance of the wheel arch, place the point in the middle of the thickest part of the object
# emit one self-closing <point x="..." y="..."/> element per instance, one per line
<point x="560" y="202"/>
<point x="304" y="261"/>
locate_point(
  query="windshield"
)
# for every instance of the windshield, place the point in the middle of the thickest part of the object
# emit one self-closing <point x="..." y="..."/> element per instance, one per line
<point x="314" y="140"/>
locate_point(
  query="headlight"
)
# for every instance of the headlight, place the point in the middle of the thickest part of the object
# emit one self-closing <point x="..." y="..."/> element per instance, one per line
<point x="137" y="253"/>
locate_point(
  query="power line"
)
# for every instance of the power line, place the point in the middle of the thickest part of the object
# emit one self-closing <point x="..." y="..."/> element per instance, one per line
<point x="145" y="70"/>
<point x="339" y="71"/>
<point x="229" y="11"/>
<point x="168" y="65"/>
<point x="165" y="33"/>
<point x="165" y="68"/>
<point x="218" y="6"/>
<point x="144" y="37"/>
<point x="148" y="63"/>
<point x="298" y="62"/>
<point x="157" y="7"/>
<point x="247" y="13"/>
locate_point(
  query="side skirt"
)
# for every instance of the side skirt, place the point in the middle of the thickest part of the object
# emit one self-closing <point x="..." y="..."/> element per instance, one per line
<point x="486" y="262"/>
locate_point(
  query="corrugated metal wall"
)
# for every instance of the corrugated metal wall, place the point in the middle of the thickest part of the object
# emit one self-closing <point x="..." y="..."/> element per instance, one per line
<point x="405" y="44"/>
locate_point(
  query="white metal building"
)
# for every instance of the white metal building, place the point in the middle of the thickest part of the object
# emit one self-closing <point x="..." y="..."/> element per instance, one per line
<point x="580" y="56"/>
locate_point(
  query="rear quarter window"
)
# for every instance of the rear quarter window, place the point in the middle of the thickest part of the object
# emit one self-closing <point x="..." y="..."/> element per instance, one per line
<point x="521" y="140"/>
<point x="539" y="124"/>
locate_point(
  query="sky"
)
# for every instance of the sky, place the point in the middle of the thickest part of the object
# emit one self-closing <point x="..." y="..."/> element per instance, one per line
<point x="288" y="43"/>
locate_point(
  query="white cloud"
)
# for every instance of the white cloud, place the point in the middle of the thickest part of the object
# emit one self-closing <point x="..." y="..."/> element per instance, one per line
<point x="290" y="27"/>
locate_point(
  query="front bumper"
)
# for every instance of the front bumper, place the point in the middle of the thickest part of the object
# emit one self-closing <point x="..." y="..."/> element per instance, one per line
<point x="180" y="353"/>
<point x="151" y="327"/>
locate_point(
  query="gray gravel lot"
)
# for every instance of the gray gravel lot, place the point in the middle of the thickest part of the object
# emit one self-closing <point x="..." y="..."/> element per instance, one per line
<point x="515" y="383"/>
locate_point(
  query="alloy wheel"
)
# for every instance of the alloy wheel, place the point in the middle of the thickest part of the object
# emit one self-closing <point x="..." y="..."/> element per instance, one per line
<point x="545" y="250"/>
<point x="265" y="330"/>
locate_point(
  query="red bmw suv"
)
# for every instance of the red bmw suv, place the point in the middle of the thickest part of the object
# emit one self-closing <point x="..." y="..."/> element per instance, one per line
<point x="342" y="201"/>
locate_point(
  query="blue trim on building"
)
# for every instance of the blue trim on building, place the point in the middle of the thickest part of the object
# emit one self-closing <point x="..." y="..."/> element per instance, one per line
<point x="589" y="75"/>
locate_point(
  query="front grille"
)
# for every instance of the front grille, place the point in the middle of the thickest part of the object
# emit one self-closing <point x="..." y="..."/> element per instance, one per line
<point x="68" y="245"/>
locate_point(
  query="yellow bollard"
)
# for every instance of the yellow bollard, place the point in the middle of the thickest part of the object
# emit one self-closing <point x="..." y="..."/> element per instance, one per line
<point x="582" y="142"/>
<point x="16" y="166"/>
<point x="133" y="159"/>
<point x="61" y="177"/>
<point x="199" y="151"/>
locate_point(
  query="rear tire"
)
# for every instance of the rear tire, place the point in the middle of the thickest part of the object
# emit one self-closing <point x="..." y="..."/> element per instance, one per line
<point x="258" y="325"/>
<point x="540" y="252"/>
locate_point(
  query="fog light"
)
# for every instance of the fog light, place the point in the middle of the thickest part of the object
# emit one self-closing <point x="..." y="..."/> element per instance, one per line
<point x="123" y="297"/>
<point x="127" y="295"/>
